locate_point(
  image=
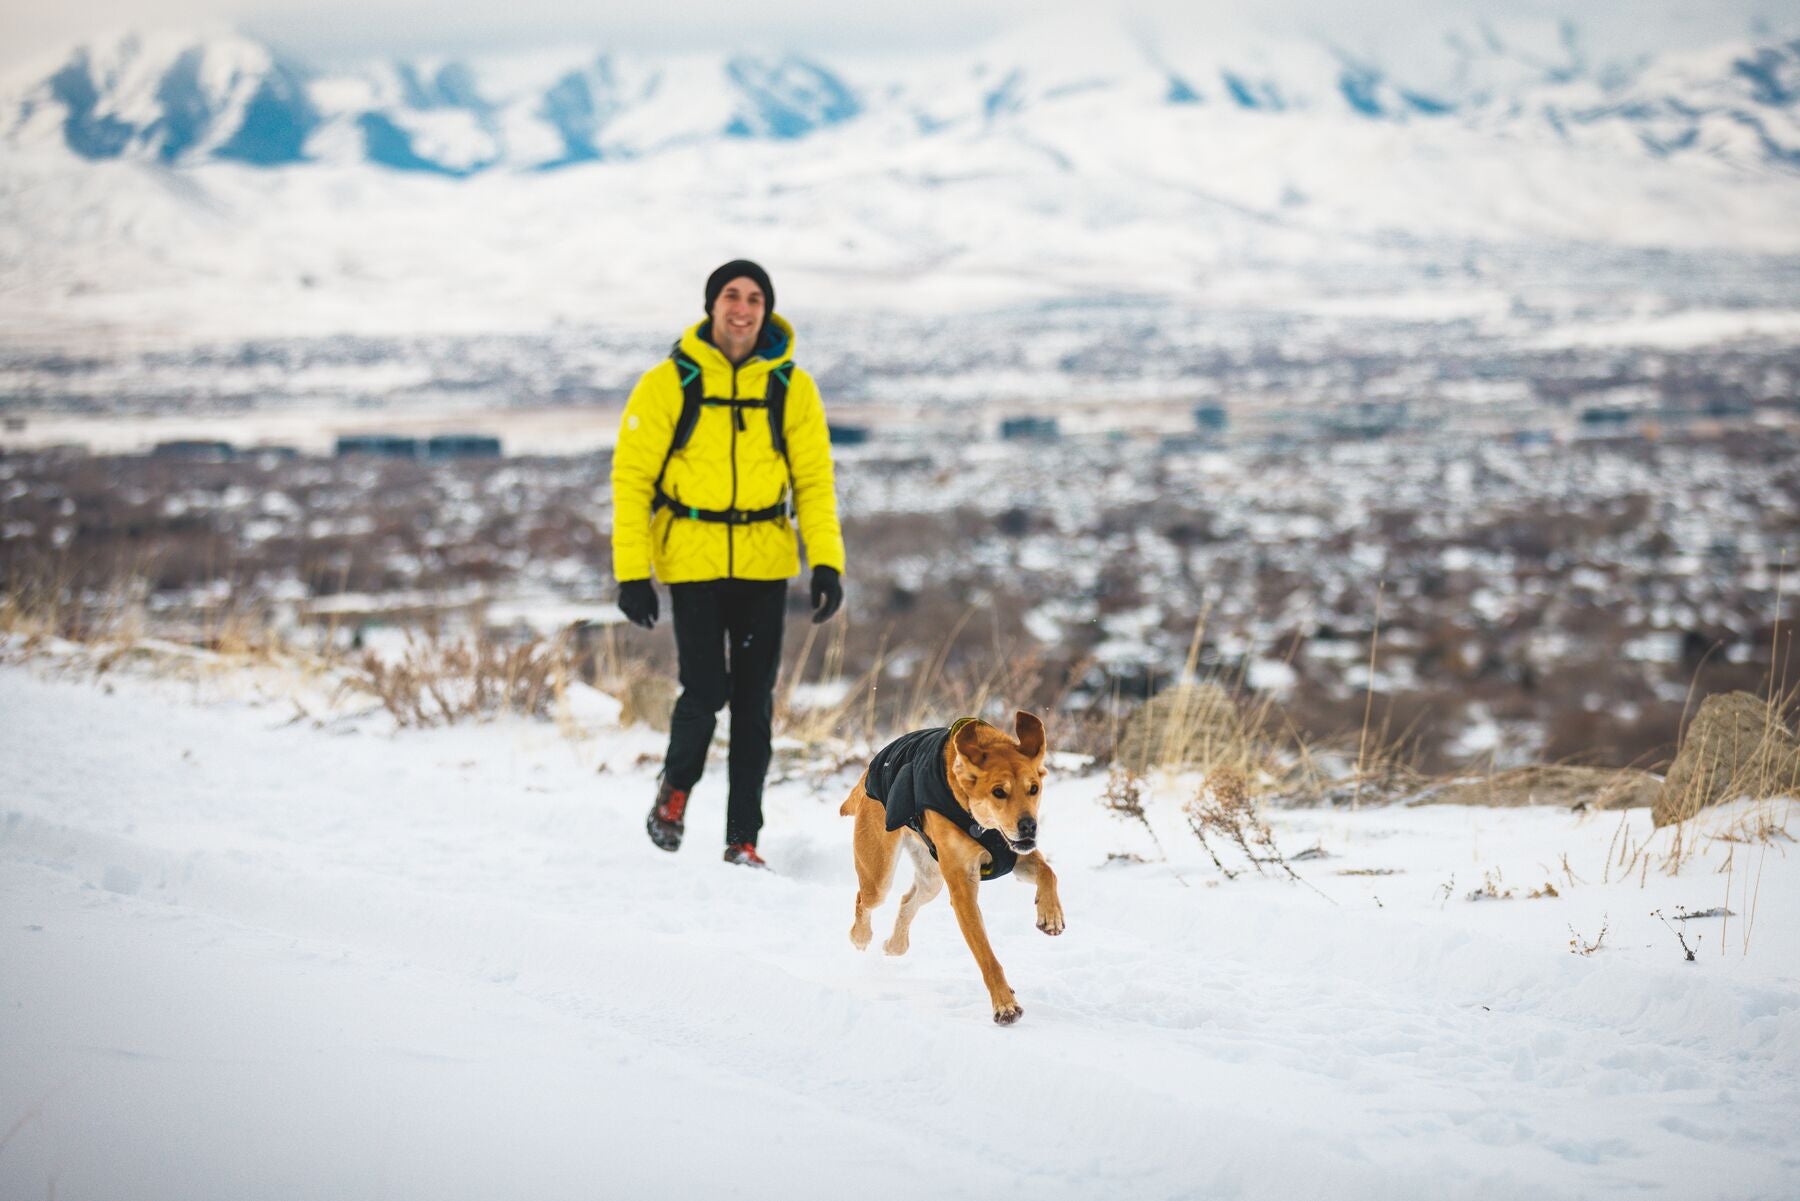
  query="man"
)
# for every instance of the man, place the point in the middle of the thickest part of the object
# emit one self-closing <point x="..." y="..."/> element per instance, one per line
<point x="721" y="446"/>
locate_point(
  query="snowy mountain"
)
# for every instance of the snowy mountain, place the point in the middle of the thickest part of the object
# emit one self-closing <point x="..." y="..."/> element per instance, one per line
<point x="181" y="100"/>
<point x="178" y="99"/>
<point x="168" y="98"/>
<point x="178" y="181"/>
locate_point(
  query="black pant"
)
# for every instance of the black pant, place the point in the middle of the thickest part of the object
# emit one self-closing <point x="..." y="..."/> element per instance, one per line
<point x="728" y="640"/>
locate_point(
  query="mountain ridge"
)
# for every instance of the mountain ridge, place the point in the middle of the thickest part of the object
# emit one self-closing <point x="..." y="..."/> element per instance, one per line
<point x="184" y="98"/>
<point x="230" y="187"/>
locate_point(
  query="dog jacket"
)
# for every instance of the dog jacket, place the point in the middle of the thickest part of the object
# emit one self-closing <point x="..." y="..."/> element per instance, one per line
<point x="907" y="776"/>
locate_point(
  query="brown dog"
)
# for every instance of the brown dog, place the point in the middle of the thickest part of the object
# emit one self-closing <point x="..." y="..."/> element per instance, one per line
<point x="964" y="803"/>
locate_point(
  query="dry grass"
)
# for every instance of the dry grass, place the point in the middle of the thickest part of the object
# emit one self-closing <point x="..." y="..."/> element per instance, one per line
<point x="1681" y="937"/>
<point x="117" y="627"/>
<point x="48" y="603"/>
<point x="1751" y="753"/>
<point x="852" y="716"/>
<point x="1222" y="814"/>
<point x="1578" y="945"/>
<point x="1362" y="743"/>
<point x="1493" y="888"/>
<point x="1768" y="774"/>
<point x="1555" y="785"/>
<point x="1738" y="748"/>
<point x="362" y="526"/>
<point x="1199" y="724"/>
<point x="1124" y="796"/>
<point x="608" y="657"/>
<point x="437" y="680"/>
<point x="958" y="665"/>
<point x="1768" y="779"/>
<point x="441" y="681"/>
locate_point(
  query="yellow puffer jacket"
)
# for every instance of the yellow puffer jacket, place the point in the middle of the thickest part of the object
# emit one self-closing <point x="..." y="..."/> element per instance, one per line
<point x="723" y="466"/>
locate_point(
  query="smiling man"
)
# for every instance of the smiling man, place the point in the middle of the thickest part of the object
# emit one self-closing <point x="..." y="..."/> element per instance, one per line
<point x="722" y="447"/>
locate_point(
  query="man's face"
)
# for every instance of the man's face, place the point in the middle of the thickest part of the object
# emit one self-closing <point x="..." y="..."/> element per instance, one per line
<point x="738" y="316"/>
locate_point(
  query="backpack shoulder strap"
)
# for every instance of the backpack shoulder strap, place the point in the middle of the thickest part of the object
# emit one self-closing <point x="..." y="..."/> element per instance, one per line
<point x="776" y="400"/>
<point x="693" y="389"/>
<point x="693" y="392"/>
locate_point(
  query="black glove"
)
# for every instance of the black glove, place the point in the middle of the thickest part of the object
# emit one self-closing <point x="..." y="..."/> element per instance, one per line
<point x="637" y="601"/>
<point x="827" y="593"/>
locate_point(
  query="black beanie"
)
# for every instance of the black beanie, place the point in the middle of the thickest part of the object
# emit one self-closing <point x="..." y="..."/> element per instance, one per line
<point x="739" y="269"/>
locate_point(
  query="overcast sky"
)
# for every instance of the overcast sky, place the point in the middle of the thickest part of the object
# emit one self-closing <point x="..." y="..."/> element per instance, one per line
<point x="328" y="30"/>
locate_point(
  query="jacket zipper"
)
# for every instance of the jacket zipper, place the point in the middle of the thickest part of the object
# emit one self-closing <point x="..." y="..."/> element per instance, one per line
<point x="731" y="530"/>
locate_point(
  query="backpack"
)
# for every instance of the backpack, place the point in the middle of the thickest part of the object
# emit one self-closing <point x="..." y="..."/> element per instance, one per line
<point x="693" y="397"/>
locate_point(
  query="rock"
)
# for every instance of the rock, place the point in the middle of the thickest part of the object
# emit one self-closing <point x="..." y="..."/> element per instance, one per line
<point x="1188" y="725"/>
<point x="1736" y="746"/>
<point x="1551" y="784"/>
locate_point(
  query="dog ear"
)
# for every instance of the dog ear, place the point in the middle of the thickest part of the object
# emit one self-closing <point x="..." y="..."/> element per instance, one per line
<point x="1031" y="734"/>
<point x="968" y="744"/>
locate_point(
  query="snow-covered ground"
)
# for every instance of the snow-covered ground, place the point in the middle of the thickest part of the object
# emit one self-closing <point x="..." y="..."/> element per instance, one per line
<point x="254" y="945"/>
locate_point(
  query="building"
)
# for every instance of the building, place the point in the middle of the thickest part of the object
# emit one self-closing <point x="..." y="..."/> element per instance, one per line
<point x="1029" y="429"/>
<point x="387" y="446"/>
<point x="194" y="449"/>
<point x="1366" y="420"/>
<point x="462" y="446"/>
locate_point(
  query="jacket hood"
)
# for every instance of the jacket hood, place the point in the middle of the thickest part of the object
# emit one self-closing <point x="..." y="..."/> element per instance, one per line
<point x="774" y="348"/>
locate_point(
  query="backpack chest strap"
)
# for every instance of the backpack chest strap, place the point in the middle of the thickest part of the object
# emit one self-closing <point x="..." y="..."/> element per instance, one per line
<point x="693" y="400"/>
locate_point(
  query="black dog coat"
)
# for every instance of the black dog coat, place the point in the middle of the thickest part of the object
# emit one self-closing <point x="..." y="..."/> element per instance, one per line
<point x="908" y="777"/>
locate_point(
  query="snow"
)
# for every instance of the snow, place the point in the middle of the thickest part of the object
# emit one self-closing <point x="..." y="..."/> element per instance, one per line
<point x="1271" y="675"/>
<point x="1679" y="330"/>
<point x="251" y="953"/>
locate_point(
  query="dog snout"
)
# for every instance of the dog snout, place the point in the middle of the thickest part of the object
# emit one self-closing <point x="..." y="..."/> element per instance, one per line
<point x="1028" y="828"/>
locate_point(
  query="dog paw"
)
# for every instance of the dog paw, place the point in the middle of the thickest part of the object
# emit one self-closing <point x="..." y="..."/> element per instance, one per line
<point x="1051" y="923"/>
<point x="1006" y="1015"/>
<point x="860" y="935"/>
<point x="896" y="946"/>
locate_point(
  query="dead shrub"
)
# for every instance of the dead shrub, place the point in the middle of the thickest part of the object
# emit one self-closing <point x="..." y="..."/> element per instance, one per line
<point x="1579" y="945"/>
<point x="439" y="681"/>
<point x="1221" y="812"/>
<point x="1737" y="746"/>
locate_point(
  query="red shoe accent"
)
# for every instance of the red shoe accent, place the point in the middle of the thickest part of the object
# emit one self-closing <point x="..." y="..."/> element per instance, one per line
<point x="675" y="807"/>
<point x="744" y="854"/>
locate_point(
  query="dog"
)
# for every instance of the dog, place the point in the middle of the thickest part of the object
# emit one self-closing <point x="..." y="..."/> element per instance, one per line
<point x="963" y="802"/>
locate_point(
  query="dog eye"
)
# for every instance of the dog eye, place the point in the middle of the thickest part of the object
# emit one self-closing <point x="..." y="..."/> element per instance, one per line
<point x="1032" y="791"/>
<point x="1000" y="793"/>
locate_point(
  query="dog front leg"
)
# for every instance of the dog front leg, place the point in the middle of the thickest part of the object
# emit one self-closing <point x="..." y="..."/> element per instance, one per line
<point x="963" y="880"/>
<point x="1049" y="902"/>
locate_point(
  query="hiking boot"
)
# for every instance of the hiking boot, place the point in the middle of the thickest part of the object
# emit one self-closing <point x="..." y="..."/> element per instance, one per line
<point x="744" y="854"/>
<point x="664" y="823"/>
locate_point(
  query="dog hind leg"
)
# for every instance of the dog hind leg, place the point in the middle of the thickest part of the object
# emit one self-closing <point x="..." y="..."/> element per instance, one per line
<point x="875" y="849"/>
<point x="927" y="882"/>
